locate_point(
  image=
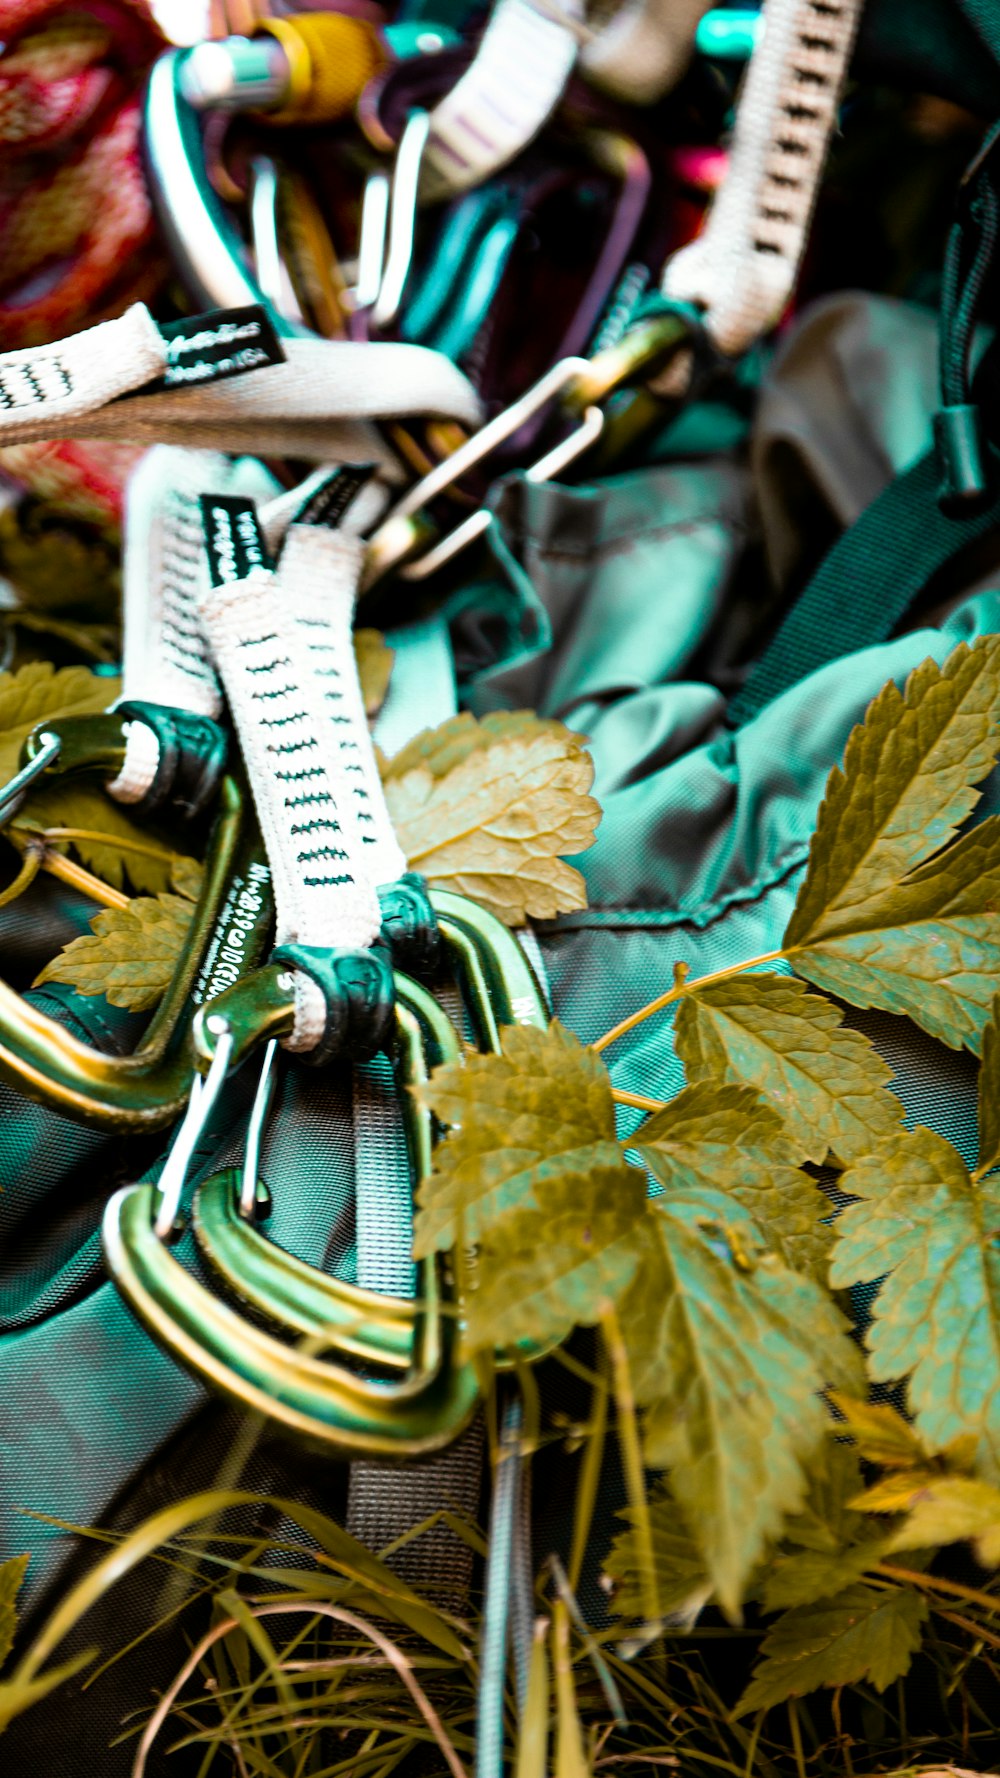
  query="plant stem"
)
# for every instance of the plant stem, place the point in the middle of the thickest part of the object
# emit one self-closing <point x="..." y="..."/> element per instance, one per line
<point x="31" y="864"/>
<point x="635" y="1481"/>
<point x="936" y="1583"/>
<point x="969" y="1625"/>
<point x="78" y="877"/>
<point x="677" y="993"/>
<point x="117" y="842"/>
<point x="586" y="1489"/>
<point x="639" y="1100"/>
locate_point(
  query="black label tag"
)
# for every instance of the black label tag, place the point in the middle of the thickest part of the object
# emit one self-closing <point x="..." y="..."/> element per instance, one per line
<point x="328" y="504"/>
<point x="232" y="537"/>
<point x="223" y="343"/>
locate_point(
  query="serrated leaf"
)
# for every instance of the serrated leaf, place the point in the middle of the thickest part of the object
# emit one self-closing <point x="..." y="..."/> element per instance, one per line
<point x="827" y="1082"/>
<point x="930" y="947"/>
<point x="132" y="954"/>
<point x="73" y="802"/>
<point x="545" y="1271"/>
<point x="729" y="1139"/>
<point x="495" y="826"/>
<point x="12" y="1574"/>
<point x="36" y="692"/>
<point x="864" y="1633"/>
<point x="186" y="877"/>
<point x="682" y="1585"/>
<point x="442" y="748"/>
<point x="928" y="1232"/>
<point x="880" y="1433"/>
<point x="828" y="1545"/>
<point x="989" y="1093"/>
<point x="540" y="1111"/>
<point x="728" y="1363"/>
<point x="948" y="1509"/>
<point x="906" y="786"/>
<point x="374" y="659"/>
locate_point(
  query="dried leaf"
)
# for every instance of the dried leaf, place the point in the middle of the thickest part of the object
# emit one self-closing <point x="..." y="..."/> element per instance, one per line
<point x="989" y="1093"/>
<point x="728" y="1358"/>
<point x="905" y="788"/>
<point x="495" y="825"/>
<point x="441" y="749"/>
<point x="374" y="659"/>
<point x="928" y="1232"/>
<point x="827" y="1082"/>
<point x="132" y="955"/>
<point x="929" y="948"/>
<point x="864" y="1633"/>
<point x="12" y="1574"/>
<point x="729" y="1139"/>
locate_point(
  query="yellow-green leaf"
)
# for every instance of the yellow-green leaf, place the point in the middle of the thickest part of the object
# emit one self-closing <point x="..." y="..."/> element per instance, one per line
<point x="186" y="877"/>
<point x="681" y="1584"/>
<point x="38" y="691"/>
<point x="989" y="1093"/>
<point x="374" y="660"/>
<point x="906" y="785"/>
<point x="82" y="805"/>
<point x="728" y="1358"/>
<point x="12" y="1574"/>
<point x="947" y="1509"/>
<point x="929" y="1233"/>
<point x="542" y="1272"/>
<point x="729" y="1139"/>
<point x="132" y="954"/>
<point x="880" y="1433"/>
<point x="827" y="1082"/>
<point x="864" y="1633"/>
<point x="827" y="1546"/>
<point x="496" y="825"/>
<point x="540" y="1112"/>
<point x="928" y="948"/>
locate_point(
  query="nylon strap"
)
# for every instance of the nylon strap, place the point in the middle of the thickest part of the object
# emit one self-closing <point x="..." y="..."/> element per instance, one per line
<point x="866" y="584"/>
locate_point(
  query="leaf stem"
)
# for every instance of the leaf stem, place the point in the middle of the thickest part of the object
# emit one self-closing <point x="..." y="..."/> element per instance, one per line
<point x="639" y="1100"/>
<point x="931" y="1583"/>
<point x="78" y="877"/>
<point x="31" y="863"/>
<point x="969" y="1625"/>
<point x="114" y="842"/>
<point x="631" y="1451"/>
<point x="678" y="991"/>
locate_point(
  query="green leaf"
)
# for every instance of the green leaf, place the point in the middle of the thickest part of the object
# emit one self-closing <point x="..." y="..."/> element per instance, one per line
<point x="542" y="1272"/>
<point x="496" y="824"/>
<point x="132" y="955"/>
<point x="186" y="876"/>
<point x="989" y="1093"/>
<point x="864" y="1633"/>
<point x="728" y="1139"/>
<point x="541" y="1111"/>
<point x="905" y="788"/>
<point x="928" y="948"/>
<point x="682" y="1584"/>
<point x="77" y="803"/>
<point x="374" y="660"/>
<point x="728" y="1357"/>
<point x="37" y="692"/>
<point x="12" y="1574"/>
<point x="828" y="1545"/>
<point x="928" y="1232"/>
<point x="827" y="1082"/>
